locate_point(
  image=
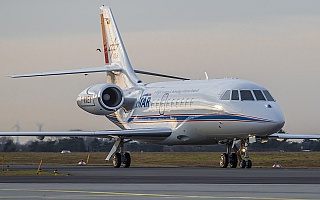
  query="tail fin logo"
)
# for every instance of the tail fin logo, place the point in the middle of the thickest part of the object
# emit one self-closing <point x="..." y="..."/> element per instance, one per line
<point x="113" y="49"/>
<point x="115" y="53"/>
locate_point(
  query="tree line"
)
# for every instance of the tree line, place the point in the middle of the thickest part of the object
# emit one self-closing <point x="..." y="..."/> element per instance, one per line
<point x="88" y="144"/>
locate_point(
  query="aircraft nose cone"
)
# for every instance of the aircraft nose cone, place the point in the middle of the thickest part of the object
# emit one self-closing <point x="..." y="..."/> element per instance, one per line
<point x="278" y="120"/>
<point x="279" y="124"/>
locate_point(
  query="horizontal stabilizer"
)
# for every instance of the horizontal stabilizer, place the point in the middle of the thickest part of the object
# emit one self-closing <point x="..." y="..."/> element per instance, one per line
<point x="294" y="136"/>
<point x="128" y="133"/>
<point x="106" y="68"/>
<point x="158" y="74"/>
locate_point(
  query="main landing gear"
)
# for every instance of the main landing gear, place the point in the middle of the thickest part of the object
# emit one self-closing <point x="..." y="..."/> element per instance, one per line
<point x="120" y="157"/>
<point x="232" y="159"/>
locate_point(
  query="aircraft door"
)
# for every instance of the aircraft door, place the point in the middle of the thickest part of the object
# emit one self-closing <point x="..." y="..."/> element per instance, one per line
<point x="163" y="102"/>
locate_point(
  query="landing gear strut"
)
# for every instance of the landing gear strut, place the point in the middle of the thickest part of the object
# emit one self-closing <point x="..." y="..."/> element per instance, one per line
<point x="246" y="162"/>
<point x="120" y="157"/>
<point x="233" y="158"/>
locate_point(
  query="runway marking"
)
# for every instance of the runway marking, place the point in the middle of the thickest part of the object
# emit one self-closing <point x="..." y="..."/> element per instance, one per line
<point x="97" y="193"/>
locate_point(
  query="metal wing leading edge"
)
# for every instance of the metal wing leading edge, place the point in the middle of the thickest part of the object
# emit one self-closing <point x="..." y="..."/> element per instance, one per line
<point x="127" y="134"/>
<point x="294" y="136"/>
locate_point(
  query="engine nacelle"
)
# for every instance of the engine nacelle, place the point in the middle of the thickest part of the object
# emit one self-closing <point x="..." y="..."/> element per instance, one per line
<point x="101" y="99"/>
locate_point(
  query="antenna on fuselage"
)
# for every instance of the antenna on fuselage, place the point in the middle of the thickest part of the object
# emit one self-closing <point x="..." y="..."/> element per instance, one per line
<point x="40" y="125"/>
<point x="205" y="73"/>
<point x="17" y="127"/>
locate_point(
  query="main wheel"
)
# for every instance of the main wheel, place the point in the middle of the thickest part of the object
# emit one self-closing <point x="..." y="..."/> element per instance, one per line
<point x="249" y="164"/>
<point x="127" y="160"/>
<point x="242" y="164"/>
<point x="117" y="160"/>
<point x="233" y="160"/>
<point x="224" y="160"/>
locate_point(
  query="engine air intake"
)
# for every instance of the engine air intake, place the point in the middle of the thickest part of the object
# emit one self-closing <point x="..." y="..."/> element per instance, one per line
<point x="101" y="99"/>
<point x="111" y="97"/>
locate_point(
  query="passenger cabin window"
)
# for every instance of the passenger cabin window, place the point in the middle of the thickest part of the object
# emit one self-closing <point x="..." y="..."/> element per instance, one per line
<point x="158" y="103"/>
<point x="153" y="104"/>
<point x="235" y="95"/>
<point x="182" y="102"/>
<point x="259" y="95"/>
<point x="226" y="95"/>
<point x="246" y="95"/>
<point x="172" y="103"/>
<point x="268" y="95"/>
<point x="167" y="103"/>
<point x="191" y="102"/>
<point x="177" y="102"/>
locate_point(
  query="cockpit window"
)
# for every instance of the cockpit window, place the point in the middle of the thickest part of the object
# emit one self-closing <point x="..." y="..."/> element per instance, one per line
<point x="246" y="95"/>
<point x="226" y="95"/>
<point x="259" y="95"/>
<point x="268" y="95"/>
<point x="235" y="95"/>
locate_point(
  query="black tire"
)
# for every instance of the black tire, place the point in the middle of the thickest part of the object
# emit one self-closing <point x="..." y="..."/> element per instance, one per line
<point x="127" y="160"/>
<point x="234" y="160"/>
<point x="224" y="160"/>
<point x="242" y="164"/>
<point x="117" y="160"/>
<point x="249" y="164"/>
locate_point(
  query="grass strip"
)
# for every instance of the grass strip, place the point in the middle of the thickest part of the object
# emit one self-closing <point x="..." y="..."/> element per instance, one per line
<point x="164" y="159"/>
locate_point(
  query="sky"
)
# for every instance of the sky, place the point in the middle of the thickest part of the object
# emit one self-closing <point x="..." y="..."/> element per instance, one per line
<point x="273" y="43"/>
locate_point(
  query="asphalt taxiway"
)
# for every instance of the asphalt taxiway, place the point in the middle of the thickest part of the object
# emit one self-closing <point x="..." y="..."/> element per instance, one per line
<point x="165" y="175"/>
<point x="102" y="182"/>
<point x="158" y="191"/>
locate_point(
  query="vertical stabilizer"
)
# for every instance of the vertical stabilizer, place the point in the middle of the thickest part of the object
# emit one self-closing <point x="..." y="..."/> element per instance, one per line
<point x="115" y="53"/>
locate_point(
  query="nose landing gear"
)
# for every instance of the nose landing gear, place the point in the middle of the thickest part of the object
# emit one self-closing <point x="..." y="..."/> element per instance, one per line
<point x="232" y="159"/>
<point x="246" y="162"/>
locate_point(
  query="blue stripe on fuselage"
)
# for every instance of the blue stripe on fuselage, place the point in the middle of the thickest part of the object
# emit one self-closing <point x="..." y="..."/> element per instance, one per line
<point x="184" y="117"/>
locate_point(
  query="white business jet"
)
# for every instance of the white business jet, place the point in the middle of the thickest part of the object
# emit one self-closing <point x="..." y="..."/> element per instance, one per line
<point x="233" y="112"/>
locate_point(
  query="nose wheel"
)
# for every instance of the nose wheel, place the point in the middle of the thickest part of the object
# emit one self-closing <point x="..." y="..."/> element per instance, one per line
<point x="246" y="162"/>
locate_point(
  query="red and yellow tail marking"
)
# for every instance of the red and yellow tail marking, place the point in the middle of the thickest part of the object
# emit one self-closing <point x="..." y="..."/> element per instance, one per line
<point x="105" y="45"/>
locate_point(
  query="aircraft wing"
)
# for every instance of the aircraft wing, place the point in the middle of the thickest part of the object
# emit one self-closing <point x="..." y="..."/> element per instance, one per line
<point x="106" y="68"/>
<point x="128" y="133"/>
<point x="294" y="136"/>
